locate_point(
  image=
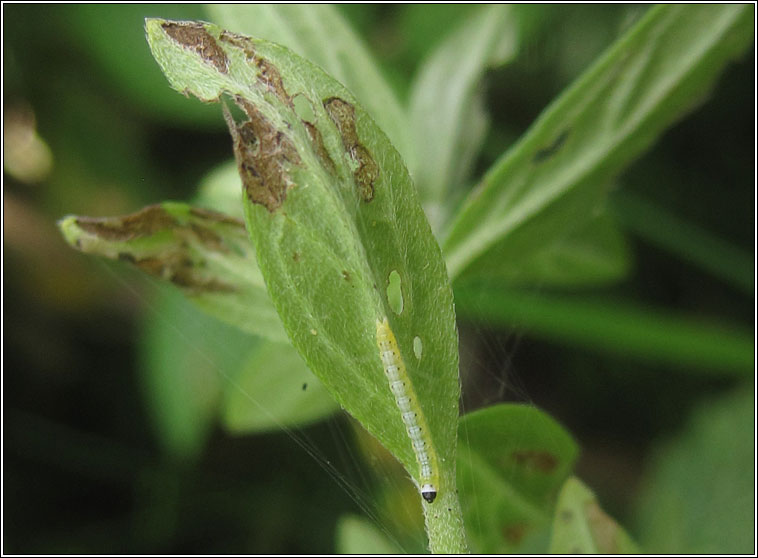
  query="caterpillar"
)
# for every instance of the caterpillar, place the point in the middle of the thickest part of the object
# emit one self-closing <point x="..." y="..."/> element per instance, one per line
<point x="410" y="411"/>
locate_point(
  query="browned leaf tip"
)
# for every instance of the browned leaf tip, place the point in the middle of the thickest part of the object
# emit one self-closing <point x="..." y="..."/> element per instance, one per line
<point x="145" y="222"/>
<point x="195" y="37"/>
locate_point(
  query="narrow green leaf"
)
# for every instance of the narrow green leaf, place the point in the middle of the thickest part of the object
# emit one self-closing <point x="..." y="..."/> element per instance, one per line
<point x="699" y="494"/>
<point x="446" y="107"/>
<point x="206" y="254"/>
<point x="185" y="360"/>
<point x="274" y="388"/>
<point x="595" y="252"/>
<point x="612" y="327"/>
<point x="333" y="213"/>
<point x="582" y="527"/>
<point x="686" y="240"/>
<point x="355" y="535"/>
<point x="512" y="461"/>
<point x="318" y="33"/>
<point x="560" y="170"/>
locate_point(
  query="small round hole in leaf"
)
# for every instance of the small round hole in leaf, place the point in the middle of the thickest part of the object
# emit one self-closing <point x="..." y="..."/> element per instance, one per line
<point x="418" y="347"/>
<point x="395" y="293"/>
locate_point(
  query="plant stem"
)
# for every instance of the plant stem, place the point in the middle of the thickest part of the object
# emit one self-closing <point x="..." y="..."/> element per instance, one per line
<point x="444" y="520"/>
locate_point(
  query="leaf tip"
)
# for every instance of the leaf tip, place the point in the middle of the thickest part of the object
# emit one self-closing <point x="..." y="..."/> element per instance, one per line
<point x="70" y="231"/>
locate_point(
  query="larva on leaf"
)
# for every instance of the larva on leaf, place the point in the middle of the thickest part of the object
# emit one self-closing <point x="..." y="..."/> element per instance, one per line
<point x="410" y="411"/>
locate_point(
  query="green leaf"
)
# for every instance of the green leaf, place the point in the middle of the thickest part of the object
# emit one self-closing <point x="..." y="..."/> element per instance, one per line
<point x="595" y="252"/>
<point x="699" y="493"/>
<point x="558" y="173"/>
<point x="424" y="26"/>
<point x="274" y="389"/>
<point x="186" y="357"/>
<point x="446" y="107"/>
<point x="582" y="527"/>
<point x="355" y="535"/>
<point x="333" y="215"/>
<point x="686" y="240"/>
<point x="320" y="34"/>
<point x="206" y="254"/>
<point x="512" y="461"/>
<point x="613" y="327"/>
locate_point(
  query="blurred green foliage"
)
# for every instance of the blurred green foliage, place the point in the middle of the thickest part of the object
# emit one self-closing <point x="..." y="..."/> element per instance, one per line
<point x="91" y="467"/>
<point x="700" y="494"/>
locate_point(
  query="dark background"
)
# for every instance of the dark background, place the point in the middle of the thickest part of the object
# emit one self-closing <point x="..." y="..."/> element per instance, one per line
<point x="84" y="469"/>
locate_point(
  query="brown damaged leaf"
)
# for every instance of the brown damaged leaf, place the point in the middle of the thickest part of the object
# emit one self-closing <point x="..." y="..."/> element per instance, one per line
<point x="263" y="156"/>
<point x="240" y="41"/>
<point x="269" y="75"/>
<point x="195" y="37"/>
<point x="317" y="141"/>
<point x="171" y="246"/>
<point x="145" y="222"/>
<point x="366" y="173"/>
<point x="580" y="525"/>
<point x="604" y="529"/>
<point x="181" y="271"/>
<point x="208" y="255"/>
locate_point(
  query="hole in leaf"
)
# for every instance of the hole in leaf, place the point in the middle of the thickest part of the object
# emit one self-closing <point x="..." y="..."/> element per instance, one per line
<point x="418" y="347"/>
<point x="303" y="108"/>
<point x="395" y="293"/>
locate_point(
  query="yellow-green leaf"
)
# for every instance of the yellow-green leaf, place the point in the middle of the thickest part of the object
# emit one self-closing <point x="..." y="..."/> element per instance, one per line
<point x="333" y="214"/>
<point x="206" y="254"/>
<point x="582" y="527"/>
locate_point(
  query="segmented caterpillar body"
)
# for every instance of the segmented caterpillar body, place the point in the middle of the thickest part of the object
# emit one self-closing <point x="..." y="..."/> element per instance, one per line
<point x="410" y="411"/>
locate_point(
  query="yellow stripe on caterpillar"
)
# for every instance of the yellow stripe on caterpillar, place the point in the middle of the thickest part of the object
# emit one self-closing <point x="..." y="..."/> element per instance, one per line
<point x="410" y="411"/>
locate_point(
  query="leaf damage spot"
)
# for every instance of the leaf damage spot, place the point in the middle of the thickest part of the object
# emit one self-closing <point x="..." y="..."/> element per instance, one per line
<point x="514" y="532"/>
<point x="552" y="149"/>
<point x="241" y="42"/>
<point x="395" y="292"/>
<point x="210" y="239"/>
<point x="196" y="38"/>
<point x="176" y="247"/>
<point x="182" y="272"/>
<point x="418" y="347"/>
<point x="267" y="72"/>
<point x="535" y="460"/>
<point x="605" y="530"/>
<point x="303" y="108"/>
<point x="319" y="148"/>
<point x="366" y="172"/>
<point x="215" y="216"/>
<point x="145" y="222"/>
<point x="263" y="155"/>
<point x="270" y="77"/>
